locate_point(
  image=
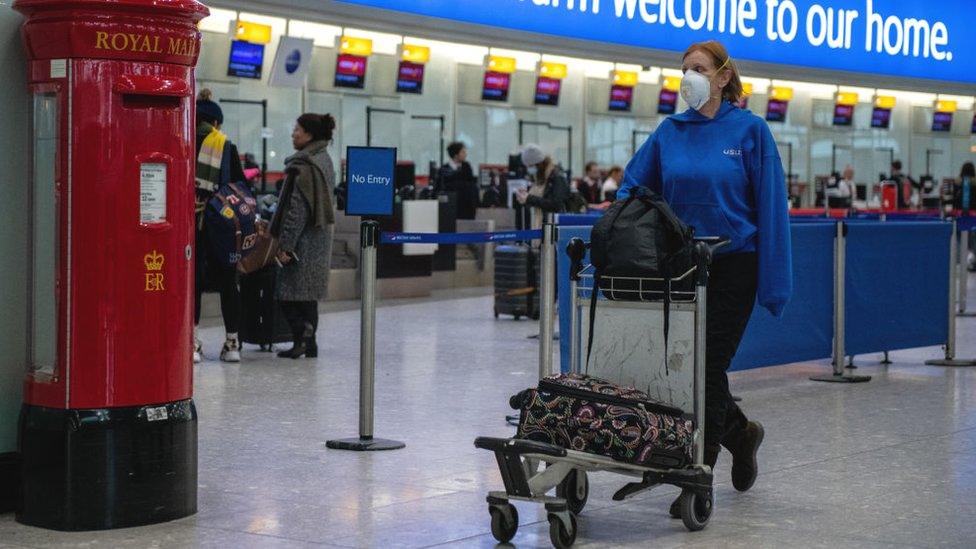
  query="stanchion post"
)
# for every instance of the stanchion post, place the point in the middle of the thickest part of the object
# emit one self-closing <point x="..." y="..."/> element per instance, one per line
<point x="962" y="276"/>
<point x="950" y="346"/>
<point x="839" y="374"/>
<point x="368" y="241"/>
<point x="547" y="262"/>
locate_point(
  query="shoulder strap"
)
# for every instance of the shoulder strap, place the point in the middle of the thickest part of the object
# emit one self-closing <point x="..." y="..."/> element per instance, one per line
<point x="593" y="291"/>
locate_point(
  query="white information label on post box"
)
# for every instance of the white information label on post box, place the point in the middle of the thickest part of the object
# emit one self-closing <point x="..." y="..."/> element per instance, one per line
<point x="59" y="68"/>
<point x="152" y="192"/>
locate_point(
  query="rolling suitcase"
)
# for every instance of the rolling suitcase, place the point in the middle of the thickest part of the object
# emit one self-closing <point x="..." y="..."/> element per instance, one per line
<point x="262" y="321"/>
<point x="587" y="414"/>
<point x="515" y="281"/>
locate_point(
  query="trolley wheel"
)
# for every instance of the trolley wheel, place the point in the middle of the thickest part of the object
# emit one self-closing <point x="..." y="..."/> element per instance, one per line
<point x="504" y="522"/>
<point x="695" y="510"/>
<point x="575" y="488"/>
<point x="561" y="536"/>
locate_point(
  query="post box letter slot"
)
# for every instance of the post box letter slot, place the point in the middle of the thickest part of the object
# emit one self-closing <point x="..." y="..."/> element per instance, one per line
<point x="146" y="91"/>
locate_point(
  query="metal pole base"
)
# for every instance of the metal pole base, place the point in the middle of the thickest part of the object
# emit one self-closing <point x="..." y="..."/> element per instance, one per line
<point x="834" y="378"/>
<point x="886" y="361"/>
<point x="364" y="444"/>
<point x="957" y="363"/>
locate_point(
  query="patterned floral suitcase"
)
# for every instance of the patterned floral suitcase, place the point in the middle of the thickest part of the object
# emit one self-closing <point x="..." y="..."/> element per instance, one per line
<point x="588" y="414"/>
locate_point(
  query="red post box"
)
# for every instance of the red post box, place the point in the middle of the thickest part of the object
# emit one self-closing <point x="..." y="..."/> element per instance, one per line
<point x="107" y="431"/>
<point x="889" y="196"/>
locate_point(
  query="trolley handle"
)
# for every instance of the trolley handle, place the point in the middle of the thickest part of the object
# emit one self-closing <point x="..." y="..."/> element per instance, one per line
<point x="576" y="250"/>
<point x="705" y="248"/>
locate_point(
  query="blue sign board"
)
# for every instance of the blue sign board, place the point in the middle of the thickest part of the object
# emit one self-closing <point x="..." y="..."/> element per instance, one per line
<point x="369" y="180"/>
<point x="906" y="38"/>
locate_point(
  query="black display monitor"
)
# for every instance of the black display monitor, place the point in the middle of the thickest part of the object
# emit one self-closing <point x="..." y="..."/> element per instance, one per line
<point x="410" y="77"/>
<point x="621" y="98"/>
<point x="495" y="87"/>
<point x="881" y="118"/>
<point x="350" y="71"/>
<point x="246" y="60"/>
<point x="843" y="115"/>
<point x="942" y="122"/>
<point x="776" y="110"/>
<point x="547" y="91"/>
<point x="667" y="102"/>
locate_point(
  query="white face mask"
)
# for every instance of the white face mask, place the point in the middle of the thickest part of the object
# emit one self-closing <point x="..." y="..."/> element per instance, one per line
<point x="532" y="170"/>
<point x="696" y="88"/>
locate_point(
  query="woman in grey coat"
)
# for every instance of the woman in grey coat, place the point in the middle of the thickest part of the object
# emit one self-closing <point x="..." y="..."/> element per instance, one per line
<point x="304" y="225"/>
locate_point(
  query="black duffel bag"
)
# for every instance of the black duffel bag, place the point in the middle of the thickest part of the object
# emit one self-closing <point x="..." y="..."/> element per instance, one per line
<point x="641" y="237"/>
<point x="637" y="239"/>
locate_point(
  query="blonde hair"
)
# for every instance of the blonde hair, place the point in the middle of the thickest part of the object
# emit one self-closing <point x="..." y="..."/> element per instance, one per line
<point x="720" y="57"/>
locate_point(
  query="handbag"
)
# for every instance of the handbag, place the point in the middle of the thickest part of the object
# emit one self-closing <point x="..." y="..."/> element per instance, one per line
<point x="262" y="253"/>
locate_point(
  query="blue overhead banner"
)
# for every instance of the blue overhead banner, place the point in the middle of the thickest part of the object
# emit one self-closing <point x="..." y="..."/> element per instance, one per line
<point x="907" y="38"/>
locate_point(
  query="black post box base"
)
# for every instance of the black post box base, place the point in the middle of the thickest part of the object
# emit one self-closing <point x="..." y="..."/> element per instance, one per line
<point x="107" y="468"/>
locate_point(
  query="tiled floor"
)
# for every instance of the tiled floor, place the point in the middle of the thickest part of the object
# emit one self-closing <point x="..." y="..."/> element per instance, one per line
<point x="890" y="463"/>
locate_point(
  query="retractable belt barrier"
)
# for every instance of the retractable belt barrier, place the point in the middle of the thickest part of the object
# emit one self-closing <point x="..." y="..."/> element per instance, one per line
<point x="370" y="238"/>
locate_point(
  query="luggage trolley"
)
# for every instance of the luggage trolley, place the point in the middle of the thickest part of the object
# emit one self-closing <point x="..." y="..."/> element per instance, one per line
<point x="679" y="382"/>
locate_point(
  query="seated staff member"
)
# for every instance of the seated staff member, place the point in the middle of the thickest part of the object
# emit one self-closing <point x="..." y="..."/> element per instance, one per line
<point x="718" y="168"/>
<point x="457" y="176"/>
<point x="612" y="183"/>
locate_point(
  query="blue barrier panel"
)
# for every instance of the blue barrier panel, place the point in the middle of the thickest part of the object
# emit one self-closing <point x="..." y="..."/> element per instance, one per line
<point x="967" y="223"/>
<point x="897" y="285"/>
<point x="806" y="329"/>
<point x="581" y="220"/>
<point x="458" y="238"/>
<point x="562" y="276"/>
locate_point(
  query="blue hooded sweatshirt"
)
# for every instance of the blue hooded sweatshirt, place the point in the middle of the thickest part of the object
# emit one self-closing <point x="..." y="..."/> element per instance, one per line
<point x="724" y="177"/>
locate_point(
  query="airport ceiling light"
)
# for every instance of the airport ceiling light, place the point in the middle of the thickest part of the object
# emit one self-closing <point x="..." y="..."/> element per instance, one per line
<point x="362" y="47"/>
<point x="414" y="53"/>
<point x="553" y="70"/>
<point x="218" y="21"/>
<point x="944" y="105"/>
<point x="846" y="98"/>
<point x="255" y="33"/>
<point x="627" y="79"/>
<point x="885" y="101"/>
<point x="672" y="83"/>
<point x="747" y="88"/>
<point x="781" y="93"/>
<point x="496" y="63"/>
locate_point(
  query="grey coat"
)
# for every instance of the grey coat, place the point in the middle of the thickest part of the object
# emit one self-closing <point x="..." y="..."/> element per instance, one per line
<point x="307" y="277"/>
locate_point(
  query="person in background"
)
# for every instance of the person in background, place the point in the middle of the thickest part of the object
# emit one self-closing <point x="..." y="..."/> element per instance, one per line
<point x="589" y="186"/>
<point x="612" y="183"/>
<point x="550" y="189"/>
<point x="900" y="180"/>
<point x="218" y="163"/>
<point x="840" y="194"/>
<point x="718" y="168"/>
<point x="457" y="176"/>
<point x="304" y="225"/>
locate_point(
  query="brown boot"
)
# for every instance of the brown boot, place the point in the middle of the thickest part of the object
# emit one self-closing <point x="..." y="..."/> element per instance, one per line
<point x="710" y="458"/>
<point x="744" y="445"/>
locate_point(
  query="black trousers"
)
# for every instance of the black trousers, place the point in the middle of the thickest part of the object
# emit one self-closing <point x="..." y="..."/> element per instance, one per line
<point x="300" y="313"/>
<point x="731" y="297"/>
<point x="224" y="280"/>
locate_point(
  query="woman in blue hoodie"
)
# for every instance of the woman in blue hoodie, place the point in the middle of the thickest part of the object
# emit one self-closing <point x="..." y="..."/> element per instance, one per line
<point x="718" y="168"/>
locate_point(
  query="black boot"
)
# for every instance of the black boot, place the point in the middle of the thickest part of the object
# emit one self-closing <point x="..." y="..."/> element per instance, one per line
<point x="710" y="458"/>
<point x="311" y="347"/>
<point x="297" y="349"/>
<point x="744" y="445"/>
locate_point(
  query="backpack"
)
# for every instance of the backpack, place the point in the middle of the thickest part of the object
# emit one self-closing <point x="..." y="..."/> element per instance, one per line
<point x="230" y="217"/>
<point x="640" y="238"/>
